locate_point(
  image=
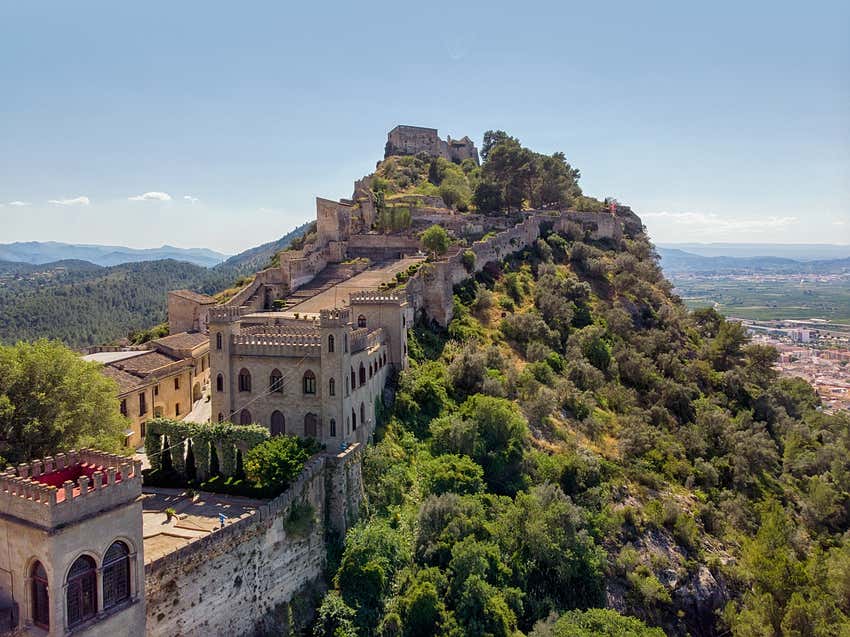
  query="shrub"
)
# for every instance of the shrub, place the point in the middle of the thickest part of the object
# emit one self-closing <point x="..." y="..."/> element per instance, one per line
<point x="468" y="260"/>
<point x="273" y="464"/>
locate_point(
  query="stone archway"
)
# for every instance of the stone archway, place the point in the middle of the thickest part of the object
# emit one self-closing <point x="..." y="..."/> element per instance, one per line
<point x="196" y="392"/>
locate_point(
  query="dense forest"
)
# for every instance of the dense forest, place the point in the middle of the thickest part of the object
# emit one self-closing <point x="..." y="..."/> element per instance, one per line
<point x="84" y="304"/>
<point x="576" y="439"/>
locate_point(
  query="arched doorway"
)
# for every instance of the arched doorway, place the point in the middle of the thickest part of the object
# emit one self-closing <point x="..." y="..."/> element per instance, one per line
<point x="196" y="392"/>
<point x="278" y="424"/>
<point x="311" y="425"/>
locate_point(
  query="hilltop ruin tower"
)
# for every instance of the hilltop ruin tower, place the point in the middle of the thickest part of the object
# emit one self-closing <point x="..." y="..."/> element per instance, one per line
<point x="412" y="140"/>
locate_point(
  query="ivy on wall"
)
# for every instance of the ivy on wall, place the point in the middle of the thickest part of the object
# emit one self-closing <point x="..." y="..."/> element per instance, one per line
<point x="226" y="438"/>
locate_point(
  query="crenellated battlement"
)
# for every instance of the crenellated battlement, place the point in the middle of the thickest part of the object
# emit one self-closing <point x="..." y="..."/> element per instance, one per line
<point x="60" y="489"/>
<point x="265" y="344"/>
<point x="334" y="317"/>
<point x="376" y="298"/>
<point x="227" y="314"/>
<point x="280" y="330"/>
<point x="364" y="338"/>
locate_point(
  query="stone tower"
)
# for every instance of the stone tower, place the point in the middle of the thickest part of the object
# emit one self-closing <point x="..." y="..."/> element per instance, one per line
<point x="335" y="330"/>
<point x="223" y="325"/>
<point x="71" y="528"/>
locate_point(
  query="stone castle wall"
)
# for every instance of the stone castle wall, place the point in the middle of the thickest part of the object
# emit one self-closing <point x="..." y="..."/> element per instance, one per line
<point x="430" y="290"/>
<point x="246" y="578"/>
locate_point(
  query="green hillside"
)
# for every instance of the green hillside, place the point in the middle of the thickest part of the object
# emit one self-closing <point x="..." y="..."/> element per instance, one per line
<point x="577" y="439"/>
<point x="84" y="304"/>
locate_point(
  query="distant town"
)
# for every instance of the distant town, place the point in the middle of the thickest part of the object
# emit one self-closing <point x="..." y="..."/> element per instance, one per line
<point x="816" y="350"/>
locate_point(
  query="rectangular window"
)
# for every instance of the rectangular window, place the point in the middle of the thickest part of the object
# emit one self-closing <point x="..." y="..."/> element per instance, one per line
<point x="124" y="407"/>
<point x="177" y="409"/>
<point x="177" y="383"/>
<point x="143" y="429"/>
<point x="143" y="404"/>
<point x="156" y="390"/>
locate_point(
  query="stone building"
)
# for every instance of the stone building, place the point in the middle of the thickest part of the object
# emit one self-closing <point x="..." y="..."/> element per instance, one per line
<point x="317" y="376"/>
<point x="71" y="528"/>
<point x="412" y="140"/>
<point x="164" y="380"/>
<point x="187" y="311"/>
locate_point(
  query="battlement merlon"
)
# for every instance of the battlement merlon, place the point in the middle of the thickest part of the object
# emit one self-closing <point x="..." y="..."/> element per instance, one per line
<point x="228" y="314"/>
<point x="334" y="317"/>
<point x="377" y="298"/>
<point x="61" y="489"/>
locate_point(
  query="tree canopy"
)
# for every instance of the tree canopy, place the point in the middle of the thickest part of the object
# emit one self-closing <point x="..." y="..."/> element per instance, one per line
<point x="51" y="400"/>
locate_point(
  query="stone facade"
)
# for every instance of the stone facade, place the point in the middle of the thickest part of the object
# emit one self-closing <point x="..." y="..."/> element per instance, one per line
<point x="60" y="518"/>
<point x="317" y="377"/>
<point x="187" y="311"/>
<point x="258" y="575"/>
<point x="164" y="380"/>
<point x="412" y="140"/>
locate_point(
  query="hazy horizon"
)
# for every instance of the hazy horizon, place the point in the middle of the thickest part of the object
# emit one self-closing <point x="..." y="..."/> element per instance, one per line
<point x="211" y="128"/>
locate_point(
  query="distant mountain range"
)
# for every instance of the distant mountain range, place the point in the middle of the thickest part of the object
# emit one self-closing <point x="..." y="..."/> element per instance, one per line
<point x="259" y="257"/>
<point x="40" y="252"/>
<point x="676" y="261"/>
<point x="86" y="303"/>
<point x="796" y="251"/>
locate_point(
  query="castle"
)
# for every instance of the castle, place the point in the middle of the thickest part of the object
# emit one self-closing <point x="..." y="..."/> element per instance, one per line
<point x="412" y="140"/>
<point x="313" y="377"/>
<point x="305" y="348"/>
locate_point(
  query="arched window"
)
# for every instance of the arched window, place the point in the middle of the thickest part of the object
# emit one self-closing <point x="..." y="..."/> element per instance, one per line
<point x="220" y="417"/>
<point x="332" y="424"/>
<point x="345" y="343"/>
<point x="219" y="383"/>
<point x="362" y="374"/>
<point x="403" y="321"/>
<point x="361" y="321"/>
<point x="353" y="379"/>
<point x="330" y="343"/>
<point x="362" y="414"/>
<point x="309" y="382"/>
<point x="40" y="597"/>
<point x="311" y="425"/>
<point x="245" y="417"/>
<point x="276" y="381"/>
<point x="347" y="385"/>
<point x="331" y="387"/>
<point x="82" y="590"/>
<point x="218" y="340"/>
<point x="278" y="423"/>
<point x="244" y="380"/>
<point x="116" y="575"/>
<point x="353" y="420"/>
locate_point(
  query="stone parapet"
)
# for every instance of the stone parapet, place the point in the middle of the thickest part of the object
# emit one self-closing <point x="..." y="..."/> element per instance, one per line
<point x="377" y="297"/>
<point x="227" y="313"/>
<point x="60" y="489"/>
<point x="334" y="317"/>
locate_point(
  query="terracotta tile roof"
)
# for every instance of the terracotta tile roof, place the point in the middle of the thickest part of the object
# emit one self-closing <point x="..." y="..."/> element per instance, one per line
<point x="193" y="296"/>
<point x="148" y="363"/>
<point x="183" y="340"/>
<point x="126" y="382"/>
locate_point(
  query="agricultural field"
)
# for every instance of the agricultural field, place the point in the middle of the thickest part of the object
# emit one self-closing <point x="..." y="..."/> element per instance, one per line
<point x="767" y="298"/>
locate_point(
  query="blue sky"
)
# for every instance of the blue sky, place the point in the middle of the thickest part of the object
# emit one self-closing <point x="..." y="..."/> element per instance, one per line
<point x="722" y="121"/>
